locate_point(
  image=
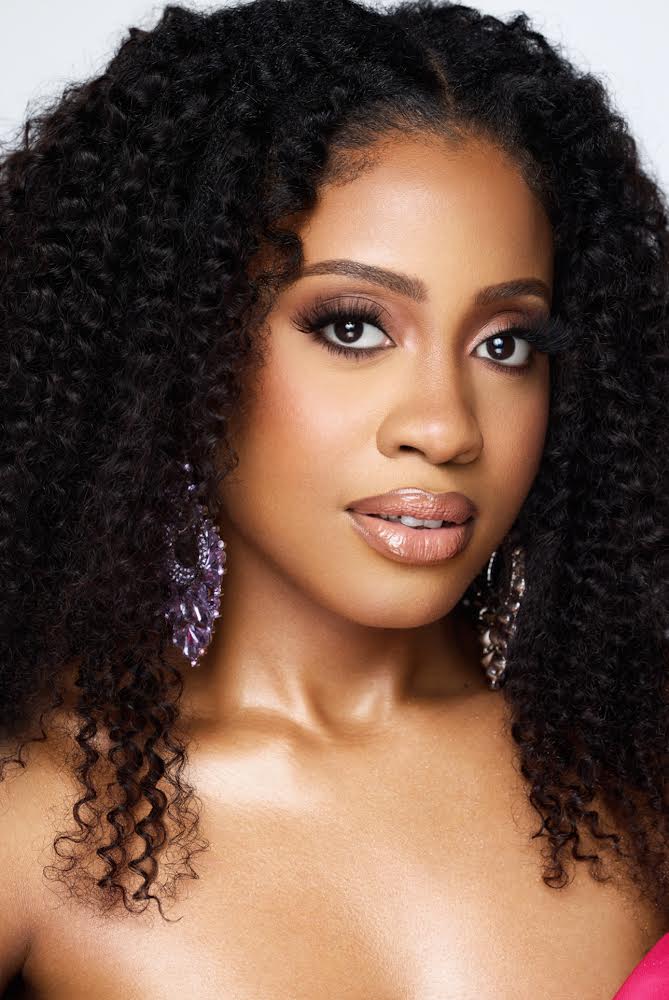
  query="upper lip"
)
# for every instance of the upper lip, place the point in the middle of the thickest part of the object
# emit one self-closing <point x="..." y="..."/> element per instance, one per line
<point x="415" y="502"/>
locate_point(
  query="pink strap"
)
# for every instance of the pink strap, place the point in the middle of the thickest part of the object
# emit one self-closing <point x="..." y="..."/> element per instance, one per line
<point x="649" y="980"/>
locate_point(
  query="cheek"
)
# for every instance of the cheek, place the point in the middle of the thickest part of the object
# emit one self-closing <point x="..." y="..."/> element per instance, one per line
<point x="291" y="446"/>
<point x="514" y="442"/>
<point x="284" y="499"/>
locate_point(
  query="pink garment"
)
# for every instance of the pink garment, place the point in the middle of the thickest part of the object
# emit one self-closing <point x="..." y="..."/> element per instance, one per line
<point x="649" y="980"/>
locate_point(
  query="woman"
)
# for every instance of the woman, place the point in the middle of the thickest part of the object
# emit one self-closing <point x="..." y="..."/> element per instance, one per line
<point x="285" y="273"/>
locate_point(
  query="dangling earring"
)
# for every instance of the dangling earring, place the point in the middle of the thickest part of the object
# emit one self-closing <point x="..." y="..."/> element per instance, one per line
<point x="497" y="624"/>
<point x="195" y="567"/>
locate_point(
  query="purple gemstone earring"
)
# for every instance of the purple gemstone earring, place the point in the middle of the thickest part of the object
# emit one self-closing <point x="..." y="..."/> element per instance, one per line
<point x="195" y="568"/>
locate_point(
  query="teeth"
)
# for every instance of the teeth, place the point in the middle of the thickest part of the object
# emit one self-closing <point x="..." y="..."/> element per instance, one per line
<point x="414" y="522"/>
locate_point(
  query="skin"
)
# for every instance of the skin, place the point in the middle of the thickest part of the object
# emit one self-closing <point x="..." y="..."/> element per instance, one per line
<point x="369" y="833"/>
<point x="369" y="637"/>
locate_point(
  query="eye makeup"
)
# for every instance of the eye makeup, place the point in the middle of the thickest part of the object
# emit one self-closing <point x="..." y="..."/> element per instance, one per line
<point x="547" y="335"/>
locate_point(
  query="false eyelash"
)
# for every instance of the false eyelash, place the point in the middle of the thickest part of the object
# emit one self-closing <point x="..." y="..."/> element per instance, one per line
<point x="319" y="316"/>
<point x="549" y="336"/>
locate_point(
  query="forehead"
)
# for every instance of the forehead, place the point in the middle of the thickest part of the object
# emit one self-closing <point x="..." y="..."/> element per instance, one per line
<point x="460" y="216"/>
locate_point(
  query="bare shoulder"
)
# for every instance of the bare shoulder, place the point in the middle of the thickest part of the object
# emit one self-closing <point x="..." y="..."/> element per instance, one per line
<point x="52" y="816"/>
<point x="25" y="794"/>
<point x="36" y="799"/>
<point x="36" y="802"/>
<point x="29" y="792"/>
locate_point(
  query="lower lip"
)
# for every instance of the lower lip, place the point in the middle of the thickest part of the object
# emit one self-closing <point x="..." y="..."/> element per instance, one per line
<point x="417" y="546"/>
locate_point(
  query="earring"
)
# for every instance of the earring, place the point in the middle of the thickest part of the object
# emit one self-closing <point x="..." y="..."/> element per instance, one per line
<point x="195" y="566"/>
<point x="497" y="624"/>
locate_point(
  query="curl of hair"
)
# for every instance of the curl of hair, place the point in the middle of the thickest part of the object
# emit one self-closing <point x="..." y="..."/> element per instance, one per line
<point x="135" y="212"/>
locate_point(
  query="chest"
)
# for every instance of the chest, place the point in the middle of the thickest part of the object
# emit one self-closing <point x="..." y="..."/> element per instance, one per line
<point x="389" y="878"/>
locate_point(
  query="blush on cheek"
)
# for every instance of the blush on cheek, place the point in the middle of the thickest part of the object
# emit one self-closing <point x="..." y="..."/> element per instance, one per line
<point x="513" y="447"/>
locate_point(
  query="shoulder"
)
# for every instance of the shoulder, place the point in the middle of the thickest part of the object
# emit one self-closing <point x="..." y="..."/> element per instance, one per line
<point x="36" y="803"/>
<point x="37" y="806"/>
<point x="24" y="793"/>
<point x="29" y="795"/>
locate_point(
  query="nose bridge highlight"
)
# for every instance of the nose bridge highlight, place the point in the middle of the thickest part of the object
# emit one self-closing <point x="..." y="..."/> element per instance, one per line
<point x="439" y="385"/>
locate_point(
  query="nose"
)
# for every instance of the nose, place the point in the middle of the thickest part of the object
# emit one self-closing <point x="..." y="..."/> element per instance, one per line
<point x="433" y="414"/>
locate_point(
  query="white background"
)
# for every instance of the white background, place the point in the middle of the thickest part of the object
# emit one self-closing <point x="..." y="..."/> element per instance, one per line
<point x="45" y="44"/>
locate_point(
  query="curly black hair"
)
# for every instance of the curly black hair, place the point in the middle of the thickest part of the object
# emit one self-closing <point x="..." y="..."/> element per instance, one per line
<point x="136" y="211"/>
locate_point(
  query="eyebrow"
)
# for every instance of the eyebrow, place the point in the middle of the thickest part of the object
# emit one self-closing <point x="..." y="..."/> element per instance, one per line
<point x="414" y="288"/>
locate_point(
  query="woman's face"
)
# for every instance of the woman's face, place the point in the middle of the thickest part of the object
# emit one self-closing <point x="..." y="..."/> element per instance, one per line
<point x="436" y="406"/>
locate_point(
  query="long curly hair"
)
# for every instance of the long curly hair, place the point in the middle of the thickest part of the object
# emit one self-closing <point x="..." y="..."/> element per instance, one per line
<point x="136" y="211"/>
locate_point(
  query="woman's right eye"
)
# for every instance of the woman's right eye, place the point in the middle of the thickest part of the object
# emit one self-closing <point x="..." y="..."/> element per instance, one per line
<point x="348" y="326"/>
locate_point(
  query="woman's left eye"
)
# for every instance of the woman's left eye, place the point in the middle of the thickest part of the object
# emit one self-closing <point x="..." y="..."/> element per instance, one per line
<point x="499" y="347"/>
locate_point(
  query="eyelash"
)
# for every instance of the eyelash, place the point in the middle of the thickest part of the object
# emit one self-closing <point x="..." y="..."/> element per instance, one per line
<point x="549" y="336"/>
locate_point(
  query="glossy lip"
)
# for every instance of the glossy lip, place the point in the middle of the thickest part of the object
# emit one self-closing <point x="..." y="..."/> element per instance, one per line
<point x="415" y="502"/>
<point x="416" y="546"/>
